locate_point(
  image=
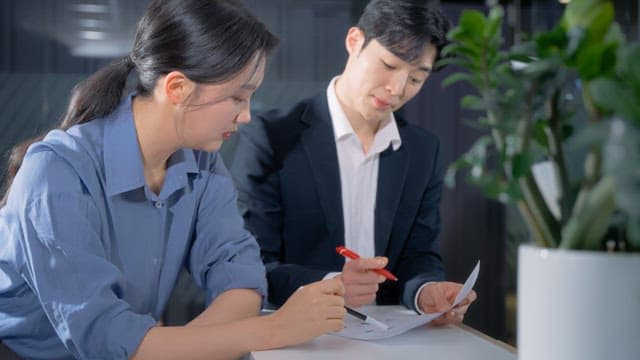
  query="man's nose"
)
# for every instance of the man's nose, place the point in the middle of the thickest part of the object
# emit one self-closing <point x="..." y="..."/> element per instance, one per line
<point x="397" y="85"/>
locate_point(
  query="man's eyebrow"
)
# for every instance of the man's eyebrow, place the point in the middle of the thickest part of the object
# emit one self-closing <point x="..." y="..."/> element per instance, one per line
<point x="248" y="86"/>
<point x="426" y="69"/>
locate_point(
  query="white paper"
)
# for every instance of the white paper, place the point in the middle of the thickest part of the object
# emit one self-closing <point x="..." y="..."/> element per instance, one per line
<point x="398" y="320"/>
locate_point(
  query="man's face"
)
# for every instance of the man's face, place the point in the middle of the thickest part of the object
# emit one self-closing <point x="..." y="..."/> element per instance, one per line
<point x="377" y="81"/>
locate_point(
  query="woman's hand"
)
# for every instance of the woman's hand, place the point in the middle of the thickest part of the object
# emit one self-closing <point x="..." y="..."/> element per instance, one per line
<point x="311" y="311"/>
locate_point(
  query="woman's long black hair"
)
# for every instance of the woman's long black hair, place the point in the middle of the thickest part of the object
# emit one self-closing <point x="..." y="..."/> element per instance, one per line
<point x="208" y="40"/>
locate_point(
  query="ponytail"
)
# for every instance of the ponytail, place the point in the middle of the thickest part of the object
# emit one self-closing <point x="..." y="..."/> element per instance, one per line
<point x="95" y="97"/>
<point x="98" y="95"/>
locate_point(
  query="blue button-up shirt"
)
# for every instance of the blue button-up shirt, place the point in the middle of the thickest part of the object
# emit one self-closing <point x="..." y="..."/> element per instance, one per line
<point x="89" y="255"/>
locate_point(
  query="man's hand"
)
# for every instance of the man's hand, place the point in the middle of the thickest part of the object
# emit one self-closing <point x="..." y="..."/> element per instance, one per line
<point x="439" y="296"/>
<point x="360" y="281"/>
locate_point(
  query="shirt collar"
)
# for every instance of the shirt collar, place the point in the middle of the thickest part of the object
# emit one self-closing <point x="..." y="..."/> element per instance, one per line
<point x="123" y="161"/>
<point x="387" y="135"/>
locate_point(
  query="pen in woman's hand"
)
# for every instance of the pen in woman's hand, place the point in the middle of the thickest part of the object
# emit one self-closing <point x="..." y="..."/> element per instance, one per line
<point x="366" y="318"/>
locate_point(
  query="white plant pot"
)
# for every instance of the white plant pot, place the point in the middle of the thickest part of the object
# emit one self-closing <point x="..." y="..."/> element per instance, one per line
<point x="578" y="305"/>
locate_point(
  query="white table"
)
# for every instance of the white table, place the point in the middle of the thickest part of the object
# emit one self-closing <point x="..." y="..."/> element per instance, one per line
<point x="425" y="342"/>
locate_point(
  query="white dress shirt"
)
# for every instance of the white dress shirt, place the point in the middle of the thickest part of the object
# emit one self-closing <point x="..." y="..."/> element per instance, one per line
<point x="359" y="174"/>
<point x="359" y="177"/>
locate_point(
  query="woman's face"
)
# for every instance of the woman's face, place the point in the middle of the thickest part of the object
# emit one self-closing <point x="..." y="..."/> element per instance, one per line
<point x="213" y="111"/>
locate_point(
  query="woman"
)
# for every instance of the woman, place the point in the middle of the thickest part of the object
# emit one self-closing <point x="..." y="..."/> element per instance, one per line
<point x="106" y="209"/>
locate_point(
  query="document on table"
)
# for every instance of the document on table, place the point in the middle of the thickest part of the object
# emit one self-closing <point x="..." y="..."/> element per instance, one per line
<point x="398" y="320"/>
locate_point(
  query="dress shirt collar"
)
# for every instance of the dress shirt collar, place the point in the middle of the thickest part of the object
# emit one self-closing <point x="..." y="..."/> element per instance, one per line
<point x="342" y="128"/>
<point x="123" y="161"/>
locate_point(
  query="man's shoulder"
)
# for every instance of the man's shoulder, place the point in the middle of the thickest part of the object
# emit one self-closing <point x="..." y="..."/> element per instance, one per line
<point x="291" y="114"/>
<point x="415" y="134"/>
<point x="284" y="125"/>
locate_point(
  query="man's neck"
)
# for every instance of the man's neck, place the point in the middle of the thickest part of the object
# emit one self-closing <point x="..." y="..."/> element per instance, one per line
<point x="365" y="129"/>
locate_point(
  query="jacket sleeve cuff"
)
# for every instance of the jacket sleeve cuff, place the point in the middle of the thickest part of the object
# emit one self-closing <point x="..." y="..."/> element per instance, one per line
<point x="415" y="299"/>
<point x="331" y="275"/>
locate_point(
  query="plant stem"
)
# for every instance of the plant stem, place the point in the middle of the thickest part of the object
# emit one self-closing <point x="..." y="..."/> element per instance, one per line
<point x="554" y="137"/>
<point x="528" y="217"/>
<point x="548" y="226"/>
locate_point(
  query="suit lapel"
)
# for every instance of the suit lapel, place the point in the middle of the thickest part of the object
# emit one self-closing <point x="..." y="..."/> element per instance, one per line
<point x="392" y="173"/>
<point x="319" y="145"/>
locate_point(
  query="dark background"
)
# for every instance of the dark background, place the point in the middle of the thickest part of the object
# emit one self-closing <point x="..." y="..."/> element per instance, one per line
<point x="47" y="46"/>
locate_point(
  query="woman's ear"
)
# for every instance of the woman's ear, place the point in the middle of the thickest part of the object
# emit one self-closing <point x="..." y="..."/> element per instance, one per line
<point x="177" y="87"/>
<point x="354" y="40"/>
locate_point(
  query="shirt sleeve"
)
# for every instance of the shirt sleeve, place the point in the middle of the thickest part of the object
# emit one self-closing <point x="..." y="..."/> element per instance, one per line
<point x="64" y="261"/>
<point x="224" y="255"/>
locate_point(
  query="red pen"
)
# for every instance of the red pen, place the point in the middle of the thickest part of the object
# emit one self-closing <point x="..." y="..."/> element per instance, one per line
<point x="352" y="255"/>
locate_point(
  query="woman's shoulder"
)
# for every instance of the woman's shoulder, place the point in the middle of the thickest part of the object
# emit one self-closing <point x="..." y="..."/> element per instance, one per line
<point x="60" y="163"/>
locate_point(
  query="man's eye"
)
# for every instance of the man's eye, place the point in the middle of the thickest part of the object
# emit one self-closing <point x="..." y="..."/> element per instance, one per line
<point x="238" y="100"/>
<point x="389" y="67"/>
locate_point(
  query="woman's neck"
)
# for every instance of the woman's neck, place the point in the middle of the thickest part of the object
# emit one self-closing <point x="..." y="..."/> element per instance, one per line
<point x="156" y="139"/>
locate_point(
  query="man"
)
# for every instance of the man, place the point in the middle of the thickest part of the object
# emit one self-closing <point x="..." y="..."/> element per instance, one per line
<point x="340" y="169"/>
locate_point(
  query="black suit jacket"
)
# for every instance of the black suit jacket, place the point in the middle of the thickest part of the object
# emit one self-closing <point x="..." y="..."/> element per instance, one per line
<point x="285" y="167"/>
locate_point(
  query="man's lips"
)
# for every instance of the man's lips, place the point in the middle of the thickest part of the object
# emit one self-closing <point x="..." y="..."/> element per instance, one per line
<point x="381" y="104"/>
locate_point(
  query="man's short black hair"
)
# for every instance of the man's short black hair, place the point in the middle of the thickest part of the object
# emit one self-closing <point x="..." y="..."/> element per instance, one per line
<point x="405" y="27"/>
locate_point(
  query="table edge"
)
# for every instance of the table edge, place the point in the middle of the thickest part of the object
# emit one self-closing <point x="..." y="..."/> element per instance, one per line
<point x="496" y="342"/>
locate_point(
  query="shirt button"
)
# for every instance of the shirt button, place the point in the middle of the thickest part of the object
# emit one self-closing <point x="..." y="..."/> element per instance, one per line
<point x="159" y="204"/>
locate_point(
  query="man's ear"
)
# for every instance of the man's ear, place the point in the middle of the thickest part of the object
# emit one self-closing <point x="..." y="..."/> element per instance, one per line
<point x="354" y="40"/>
<point x="177" y="87"/>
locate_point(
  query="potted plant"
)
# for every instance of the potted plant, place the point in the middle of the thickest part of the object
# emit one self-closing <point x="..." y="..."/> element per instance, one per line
<point x="562" y="113"/>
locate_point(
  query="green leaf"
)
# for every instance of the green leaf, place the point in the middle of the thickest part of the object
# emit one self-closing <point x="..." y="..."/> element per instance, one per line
<point x="581" y="13"/>
<point x="551" y="41"/>
<point x="496" y="187"/>
<point x="459" y="49"/>
<point x="452" y="170"/>
<point x="596" y="61"/>
<point x="494" y="22"/>
<point x="457" y="61"/>
<point x="614" y="96"/>
<point x="576" y="37"/>
<point x="622" y="148"/>
<point x="472" y="102"/>
<point x="459" y="76"/>
<point x="478" y="151"/>
<point x="539" y="133"/>
<point x="457" y="33"/>
<point x="521" y="165"/>
<point x="599" y="20"/>
<point x="473" y="22"/>
<point x="630" y="65"/>
<point x="586" y="228"/>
